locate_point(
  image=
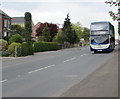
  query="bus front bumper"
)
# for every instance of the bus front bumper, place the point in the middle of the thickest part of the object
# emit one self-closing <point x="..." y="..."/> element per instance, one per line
<point x="100" y="47"/>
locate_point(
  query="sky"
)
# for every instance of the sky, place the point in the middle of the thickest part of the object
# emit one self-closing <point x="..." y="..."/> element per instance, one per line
<point x="55" y="11"/>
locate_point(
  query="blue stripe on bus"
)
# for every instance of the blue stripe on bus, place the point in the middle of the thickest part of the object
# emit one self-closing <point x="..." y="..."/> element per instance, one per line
<point x="97" y="43"/>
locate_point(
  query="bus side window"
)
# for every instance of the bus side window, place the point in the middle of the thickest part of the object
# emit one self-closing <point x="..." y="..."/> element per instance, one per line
<point x="111" y="32"/>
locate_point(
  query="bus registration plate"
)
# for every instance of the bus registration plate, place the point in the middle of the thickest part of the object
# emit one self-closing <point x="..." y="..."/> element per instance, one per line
<point x="99" y="46"/>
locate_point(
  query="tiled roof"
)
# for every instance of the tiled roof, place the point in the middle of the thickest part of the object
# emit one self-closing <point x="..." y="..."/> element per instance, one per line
<point x="3" y="13"/>
<point x="18" y="19"/>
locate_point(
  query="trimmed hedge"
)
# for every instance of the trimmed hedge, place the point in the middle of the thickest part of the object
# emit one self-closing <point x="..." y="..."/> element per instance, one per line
<point x="45" y="46"/>
<point x="26" y="49"/>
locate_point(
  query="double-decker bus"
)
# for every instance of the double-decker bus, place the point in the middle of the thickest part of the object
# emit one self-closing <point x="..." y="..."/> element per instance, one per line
<point x="102" y="36"/>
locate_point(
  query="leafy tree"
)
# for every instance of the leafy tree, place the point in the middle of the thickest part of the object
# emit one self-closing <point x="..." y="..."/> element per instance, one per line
<point x="28" y="27"/>
<point x="115" y="16"/>
<point x="40" y="29"/>
<point x="69" y="35"/>
<point x="86" y="34"/>
<point x="46" y="34"/>
<point x="53" y="28"/>
<point x="78" y="29"/>
<point x="59" y="37"/>
<point x="115" y="3"/>
<point x="17" y="29"/>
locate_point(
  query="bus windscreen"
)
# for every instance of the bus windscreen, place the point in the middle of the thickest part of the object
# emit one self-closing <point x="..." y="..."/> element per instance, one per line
<point x="99" y="26"/>
<point x="99" y="32"/>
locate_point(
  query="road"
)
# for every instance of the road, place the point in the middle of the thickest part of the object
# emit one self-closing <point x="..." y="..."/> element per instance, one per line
<point x="49" y="74"/>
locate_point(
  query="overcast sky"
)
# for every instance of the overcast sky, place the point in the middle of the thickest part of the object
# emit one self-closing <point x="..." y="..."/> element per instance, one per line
<point x="55" y="11"/>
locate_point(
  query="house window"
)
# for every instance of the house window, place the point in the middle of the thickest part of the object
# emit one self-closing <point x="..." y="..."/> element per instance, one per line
<point x="5" y="23"/>
<point x="8" y="34"/>
<point x="8" y="24"/>
<point x="5" y="34"/>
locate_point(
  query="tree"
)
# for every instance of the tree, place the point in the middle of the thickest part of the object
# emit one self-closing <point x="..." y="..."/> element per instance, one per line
<point x="46" y="34"/>
<point x="86" y="34"/>
<point x="40" y="29"/>
<point x="57" y="38"/>
<point x="115" y="16"/>
<point x="78" y="29"/>
<point x="28" y="27"/>
<point x="60" y="37"/>
<point x="68" y="33"/>
<point x="17" y="29"/>
<point x="53" y="28"/>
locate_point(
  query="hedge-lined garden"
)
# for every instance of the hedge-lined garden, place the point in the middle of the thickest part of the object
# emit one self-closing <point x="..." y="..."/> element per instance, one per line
<point x="25" y="49"/>
<point x="50" y="37"/>
<point x="21" y="44"/>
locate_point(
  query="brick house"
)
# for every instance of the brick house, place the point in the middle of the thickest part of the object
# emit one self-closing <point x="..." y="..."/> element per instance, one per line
<point x="20" y="21"/>
<point x="5" y="24"/>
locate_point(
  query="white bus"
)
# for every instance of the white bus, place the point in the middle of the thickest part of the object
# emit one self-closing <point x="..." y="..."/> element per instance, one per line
<point x="102" y="36"/>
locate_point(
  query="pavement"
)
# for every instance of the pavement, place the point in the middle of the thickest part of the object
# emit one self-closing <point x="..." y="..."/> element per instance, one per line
<point x="101" y="83"/>
<point x="53" y="74"/>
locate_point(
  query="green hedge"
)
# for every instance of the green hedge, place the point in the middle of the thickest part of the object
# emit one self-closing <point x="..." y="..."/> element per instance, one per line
<point x="26" y="49"/>
<point x="45" y="46"/>
<point x="4" y="53"/>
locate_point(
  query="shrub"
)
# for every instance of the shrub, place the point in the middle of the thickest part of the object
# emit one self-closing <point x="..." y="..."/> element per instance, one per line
<point x="26" y="49"/>
<point x="4" y="53"/>
<point x="45" y="46"/>
<point x="15" y="38"/>
<point x="3" y="45"/>
<point x="12" y="46"/>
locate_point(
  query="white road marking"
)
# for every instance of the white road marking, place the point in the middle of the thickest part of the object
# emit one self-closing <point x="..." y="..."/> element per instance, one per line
<point x="3" y="81"/>
<point x="70" y="59"/>
<point x="18" y="75"/>
<point x="40" y="69"/>
<point x="71" y="76"/>
<point x="83" y="55"/>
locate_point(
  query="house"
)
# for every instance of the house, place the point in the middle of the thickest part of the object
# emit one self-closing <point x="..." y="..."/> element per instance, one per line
<point x="20" y="21"/>
<point x="5" y="24"/>
<point x="37" y="26"/>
